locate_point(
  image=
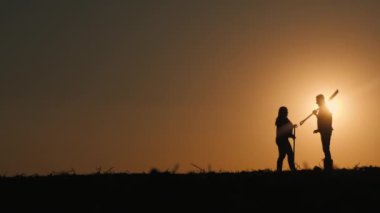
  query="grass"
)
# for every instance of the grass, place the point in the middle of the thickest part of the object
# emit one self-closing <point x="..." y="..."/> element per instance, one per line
<point x="352" y="190"/>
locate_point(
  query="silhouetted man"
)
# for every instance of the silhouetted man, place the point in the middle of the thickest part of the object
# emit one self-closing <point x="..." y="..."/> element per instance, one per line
<point x="324" y="121"/>
<point x="284" y="131"/>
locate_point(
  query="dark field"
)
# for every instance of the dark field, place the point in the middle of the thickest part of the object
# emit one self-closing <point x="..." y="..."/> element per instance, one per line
<point x="342" y="190"/>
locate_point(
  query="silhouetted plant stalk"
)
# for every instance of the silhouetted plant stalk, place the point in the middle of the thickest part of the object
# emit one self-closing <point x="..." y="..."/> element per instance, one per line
<point x="201" y="170"/>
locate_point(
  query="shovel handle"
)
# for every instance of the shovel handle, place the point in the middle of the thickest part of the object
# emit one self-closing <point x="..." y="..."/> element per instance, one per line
<point x="303" y="121"/>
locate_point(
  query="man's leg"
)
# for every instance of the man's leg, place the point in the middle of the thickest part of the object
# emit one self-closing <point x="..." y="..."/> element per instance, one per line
<point x="328" y="162"/>
<point x="326" y="137"/>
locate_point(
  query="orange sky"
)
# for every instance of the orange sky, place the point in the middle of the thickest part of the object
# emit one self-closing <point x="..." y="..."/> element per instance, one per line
<point x="140" y="84"/>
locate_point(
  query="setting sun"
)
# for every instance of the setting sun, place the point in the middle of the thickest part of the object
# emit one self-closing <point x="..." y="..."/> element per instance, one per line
<point x="334" y="107"/>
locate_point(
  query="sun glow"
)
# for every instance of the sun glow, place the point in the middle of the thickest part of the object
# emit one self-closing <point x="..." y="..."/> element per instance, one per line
<point x="334" y="107"/>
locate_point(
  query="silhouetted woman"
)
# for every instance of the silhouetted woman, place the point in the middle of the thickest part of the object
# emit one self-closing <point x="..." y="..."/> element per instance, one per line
<point x="284" y="131"/>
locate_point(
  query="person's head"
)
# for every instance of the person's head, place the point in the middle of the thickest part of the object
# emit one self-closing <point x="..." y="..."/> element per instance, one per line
<point x="320" y="100"/>
<point x="282" y="112"/>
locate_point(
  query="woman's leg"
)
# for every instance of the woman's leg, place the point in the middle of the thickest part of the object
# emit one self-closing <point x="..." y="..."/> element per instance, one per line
<point x="281" y="156"/>
<point x="290" y="153"/>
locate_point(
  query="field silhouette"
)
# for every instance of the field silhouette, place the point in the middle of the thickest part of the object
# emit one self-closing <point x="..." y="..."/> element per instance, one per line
<point x="343" y="190"/>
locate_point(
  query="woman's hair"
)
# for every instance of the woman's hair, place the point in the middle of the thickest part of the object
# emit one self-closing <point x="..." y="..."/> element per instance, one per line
<point x="282" y="114"/>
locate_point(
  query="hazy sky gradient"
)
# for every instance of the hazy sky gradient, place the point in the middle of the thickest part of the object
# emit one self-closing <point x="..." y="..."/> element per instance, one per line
<point x="140" y="84"/>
